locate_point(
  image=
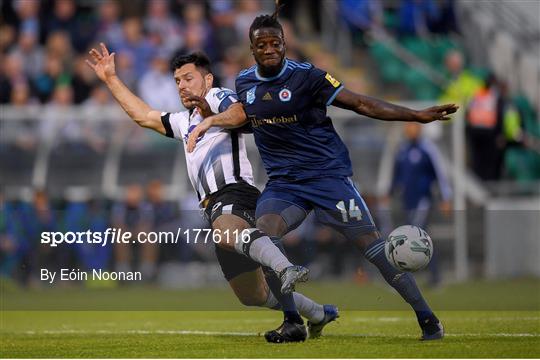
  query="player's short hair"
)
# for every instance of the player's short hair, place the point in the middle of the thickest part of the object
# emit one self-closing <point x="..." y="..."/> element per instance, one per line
<point x="266" y="21"/>
<point x="198" y="58"/>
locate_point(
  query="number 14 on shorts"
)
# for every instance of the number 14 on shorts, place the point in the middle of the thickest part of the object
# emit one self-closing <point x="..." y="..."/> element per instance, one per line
<point x="353" y="212"/>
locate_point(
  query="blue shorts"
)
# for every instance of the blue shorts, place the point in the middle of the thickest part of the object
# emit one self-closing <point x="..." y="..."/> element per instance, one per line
<point x="336" y="202"/>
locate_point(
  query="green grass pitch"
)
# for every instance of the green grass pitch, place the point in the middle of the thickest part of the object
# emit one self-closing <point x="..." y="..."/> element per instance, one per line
<point x="482" y="319"/>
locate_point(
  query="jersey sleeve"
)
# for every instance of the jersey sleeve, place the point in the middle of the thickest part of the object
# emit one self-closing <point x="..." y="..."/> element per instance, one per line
<point x="220" y="99"/>
<point x="171" y="123"/>
<point x="323" y="86"/>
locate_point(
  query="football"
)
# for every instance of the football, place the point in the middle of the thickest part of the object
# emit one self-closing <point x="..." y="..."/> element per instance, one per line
<point x="408" y="248"/>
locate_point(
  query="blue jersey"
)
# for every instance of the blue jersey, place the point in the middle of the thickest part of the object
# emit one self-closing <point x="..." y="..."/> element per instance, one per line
<point x="416" y="168"/>
<point x="295" y="137"/>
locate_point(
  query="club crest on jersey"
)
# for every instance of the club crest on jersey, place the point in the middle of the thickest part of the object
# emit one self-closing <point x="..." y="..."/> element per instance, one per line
<point x="285" y="95"/>
<point x="250" y="96"/>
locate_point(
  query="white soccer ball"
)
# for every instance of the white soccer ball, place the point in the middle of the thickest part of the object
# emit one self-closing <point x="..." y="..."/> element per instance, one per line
<point x="408" y="248"/>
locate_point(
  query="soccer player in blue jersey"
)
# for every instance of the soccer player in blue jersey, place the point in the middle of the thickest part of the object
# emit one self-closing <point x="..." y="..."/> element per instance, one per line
<point x="308" y="165"/>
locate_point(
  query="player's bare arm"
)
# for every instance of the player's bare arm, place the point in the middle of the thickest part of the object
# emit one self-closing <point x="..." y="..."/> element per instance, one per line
<point x="231" y="118"/>
<point x="382" y="110"/>
<point x="138" y="110"/>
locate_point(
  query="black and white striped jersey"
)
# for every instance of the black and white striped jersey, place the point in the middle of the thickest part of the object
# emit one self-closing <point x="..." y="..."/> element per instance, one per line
<point x="220" y="156"/>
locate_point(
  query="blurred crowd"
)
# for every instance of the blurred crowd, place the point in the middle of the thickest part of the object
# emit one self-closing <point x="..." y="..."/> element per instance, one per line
<point x="44" y="44"/>
<point x="503" y="131"/>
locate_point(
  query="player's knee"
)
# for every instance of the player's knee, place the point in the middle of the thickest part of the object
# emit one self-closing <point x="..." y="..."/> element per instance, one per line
<point x="272" y="225"/>
<point x="365" y="240"/>
<point x="226" y="244"/>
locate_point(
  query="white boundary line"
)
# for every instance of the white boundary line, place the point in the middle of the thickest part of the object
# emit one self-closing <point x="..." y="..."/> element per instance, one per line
<point x="232" y="333"/>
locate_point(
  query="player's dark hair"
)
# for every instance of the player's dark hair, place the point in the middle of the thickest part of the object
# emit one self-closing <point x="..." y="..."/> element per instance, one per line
<point x="198" y="58"/>
<point x="266" y="21"/>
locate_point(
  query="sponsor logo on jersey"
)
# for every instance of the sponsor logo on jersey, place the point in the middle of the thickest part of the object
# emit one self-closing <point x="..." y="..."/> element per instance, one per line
<point x="332" y="81"/>
<point x="250" y="96"/>
<point x="276" y="120"/>
<point x="285" y="95"/>
<point x="267" y="97"/>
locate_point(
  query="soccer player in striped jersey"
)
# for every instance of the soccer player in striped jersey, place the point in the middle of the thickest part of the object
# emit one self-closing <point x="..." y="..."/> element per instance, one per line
<point x="307" y="163"/>
<point x="221" y="174"/>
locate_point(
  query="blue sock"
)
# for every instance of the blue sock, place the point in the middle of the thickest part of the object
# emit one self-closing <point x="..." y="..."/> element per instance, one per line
<point x="287" y="303"/>
<point x="403" y="282"/>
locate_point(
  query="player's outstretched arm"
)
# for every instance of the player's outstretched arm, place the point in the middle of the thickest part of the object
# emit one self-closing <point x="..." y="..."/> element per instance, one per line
<point x="137" y="109"/>
<point x="383" y="110"/>
<point x="231" y="118"/>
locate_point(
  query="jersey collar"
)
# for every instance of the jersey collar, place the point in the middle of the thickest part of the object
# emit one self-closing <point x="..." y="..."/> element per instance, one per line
<point x="262" y="78"/>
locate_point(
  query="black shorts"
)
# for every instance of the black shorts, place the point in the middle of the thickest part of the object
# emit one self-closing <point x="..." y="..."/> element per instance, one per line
<point x="241" y="200"/>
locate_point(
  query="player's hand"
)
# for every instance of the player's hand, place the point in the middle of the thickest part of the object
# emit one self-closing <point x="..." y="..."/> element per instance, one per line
<point x="435" y="113"/>
<point x="103" y="63"/>
<point x="197" y="133"/>
<point x="198" y="101"/>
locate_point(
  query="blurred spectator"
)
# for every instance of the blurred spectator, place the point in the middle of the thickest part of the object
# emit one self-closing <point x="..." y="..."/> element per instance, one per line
<point x="7" y="37"/>
<point x="444" y="21"/>
<point x="361" y="16"/>
<point x="484" y="130"/>
<point x="30" y="52"/>
<point x="163" y="28"/>
<point x="417" y="166"/>
<point x="522" y="132"/>
<point x="82" y="215"/>
<point x="463" y="83"/>
<point x="55" y="123"/>
<point x="8" y="242"/>
<point x="125" y="69"/>
<point x="247" y="10"/>
<point x="36" y="218"/>
<point x="28" y="16"/>
<point x="98" y="130"/>
<point x="132" y="215"/>
<point x="59" y="46"/>
<point x="82" y="81"/>
<point x="157" y="86"/>
<point x="109" y="29"/>
<point x="135" y="45"/>
<point x="162" y="212"/>
<point x="22" y="131"/>
<point x="53" y="75"/>
<point x="64" y="18"/>
<point x="197" y="31"/>
<point x="195" y="41"/>
<point x="12" y="74"/>
<point x="228" y="69"/>
<point x="292" y="8"/>
<point x="415" y="17"/>
<point x="20" y="95"/>
<point x="222" y="16"/>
